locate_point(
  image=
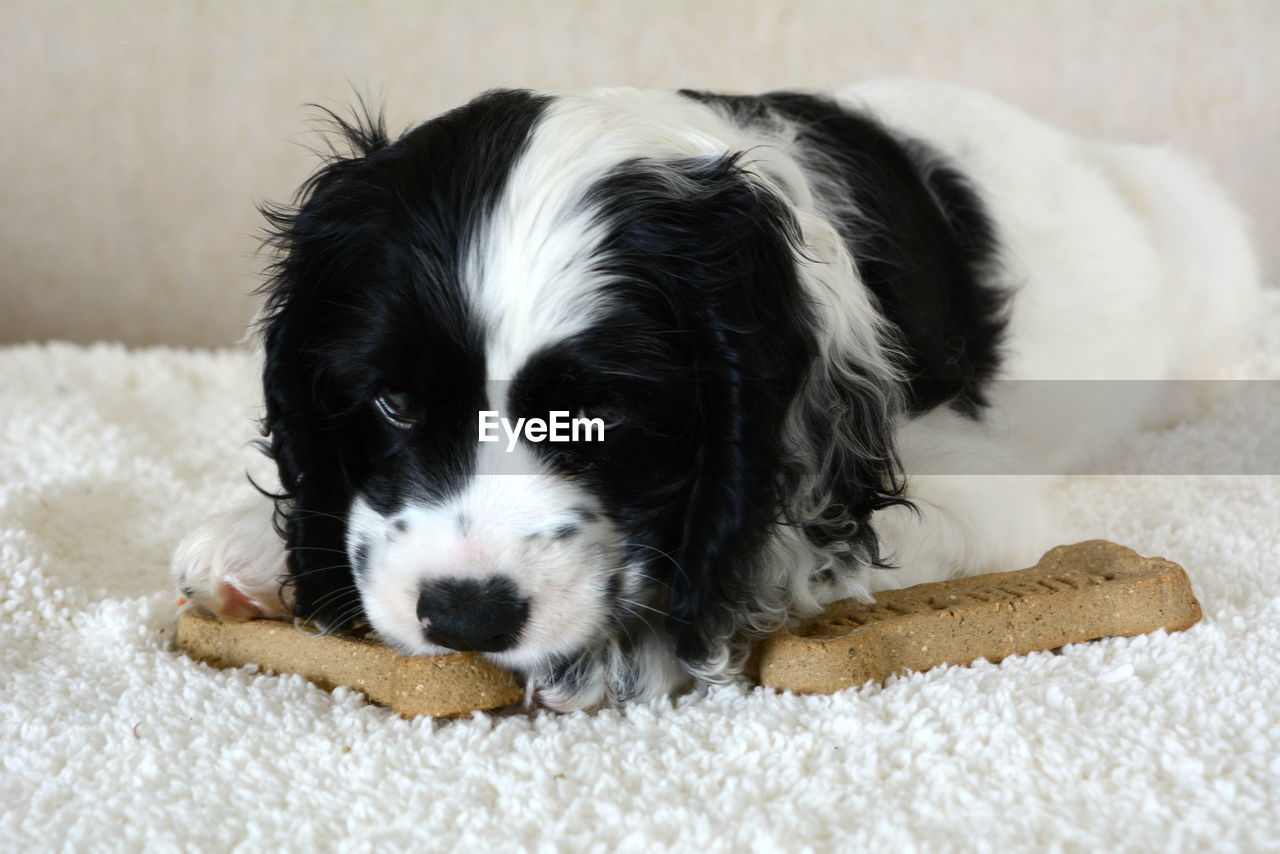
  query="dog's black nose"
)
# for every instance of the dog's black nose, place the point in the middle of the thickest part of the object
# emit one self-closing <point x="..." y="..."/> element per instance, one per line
<point x="471" y="615"/>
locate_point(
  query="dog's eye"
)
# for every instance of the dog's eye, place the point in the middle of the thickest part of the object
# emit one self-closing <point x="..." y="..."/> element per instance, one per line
<point x="397" y="407"/>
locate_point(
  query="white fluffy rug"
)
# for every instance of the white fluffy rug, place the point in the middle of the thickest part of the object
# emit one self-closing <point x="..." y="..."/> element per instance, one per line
<point x="113" y="741"/>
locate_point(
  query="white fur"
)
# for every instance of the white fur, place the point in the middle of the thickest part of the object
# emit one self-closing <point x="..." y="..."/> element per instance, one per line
<point x="1127" y="264"/>
<point x="233" y="563"/>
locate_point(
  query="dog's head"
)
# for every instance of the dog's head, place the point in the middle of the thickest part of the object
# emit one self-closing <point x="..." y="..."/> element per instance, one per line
<point x="613" y="273"/>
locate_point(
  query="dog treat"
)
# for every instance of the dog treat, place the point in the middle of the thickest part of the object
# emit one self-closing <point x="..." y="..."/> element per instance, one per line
<point x="444" y="686"/>
<point x="1075" y="593"/>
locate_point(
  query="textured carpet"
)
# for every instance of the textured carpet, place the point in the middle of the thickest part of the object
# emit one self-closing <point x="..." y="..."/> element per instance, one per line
<point x="113" y="741"/>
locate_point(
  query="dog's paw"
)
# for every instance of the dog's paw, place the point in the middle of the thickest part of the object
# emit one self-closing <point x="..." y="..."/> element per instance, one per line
<point x="233" y="565"/>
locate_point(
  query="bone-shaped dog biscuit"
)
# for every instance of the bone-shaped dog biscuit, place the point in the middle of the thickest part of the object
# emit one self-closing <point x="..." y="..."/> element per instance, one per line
<point x="443" y="686"/>
<point x="1076" y="593"/>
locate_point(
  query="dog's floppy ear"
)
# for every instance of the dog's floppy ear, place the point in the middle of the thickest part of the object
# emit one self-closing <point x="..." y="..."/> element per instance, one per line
<point x="727" y="245"/>
<point x="299" y="426"/>
<point x="312" y="506"/>
<point x="755" y="346"/>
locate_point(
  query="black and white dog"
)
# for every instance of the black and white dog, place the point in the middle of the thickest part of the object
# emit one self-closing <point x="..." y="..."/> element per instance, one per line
<point x="785" y="323"/>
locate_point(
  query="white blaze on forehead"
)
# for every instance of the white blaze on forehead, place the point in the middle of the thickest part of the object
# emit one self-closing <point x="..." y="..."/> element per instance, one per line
<point x="531" y="267"/>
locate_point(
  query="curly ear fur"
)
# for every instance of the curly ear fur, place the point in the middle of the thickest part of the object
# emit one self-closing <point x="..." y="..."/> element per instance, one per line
<point x="312" y="506"/>
<point x="727" y="247"/>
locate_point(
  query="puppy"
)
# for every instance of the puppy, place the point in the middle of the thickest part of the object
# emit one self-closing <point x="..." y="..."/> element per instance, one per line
<point x="607" y="385"/>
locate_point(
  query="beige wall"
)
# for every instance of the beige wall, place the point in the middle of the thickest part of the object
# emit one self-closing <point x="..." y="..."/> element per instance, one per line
<point x="138" y="136"/>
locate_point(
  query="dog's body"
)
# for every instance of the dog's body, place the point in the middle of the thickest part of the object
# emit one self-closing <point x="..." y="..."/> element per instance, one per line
<point x="795" y="318"/>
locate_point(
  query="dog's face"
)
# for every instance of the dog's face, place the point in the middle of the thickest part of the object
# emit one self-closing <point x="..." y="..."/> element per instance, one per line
<point x="519" y="259"/>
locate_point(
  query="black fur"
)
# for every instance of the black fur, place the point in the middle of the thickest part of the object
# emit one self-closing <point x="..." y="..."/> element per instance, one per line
<point x="367" y="296"/>
<point x="921" y="237"/>
<point x="707" y="342"/>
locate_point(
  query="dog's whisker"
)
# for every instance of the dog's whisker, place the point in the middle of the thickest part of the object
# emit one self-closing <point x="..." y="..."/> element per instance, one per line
<point x="339" y="623"/>
<point x="316" y="549"/>
<point x="632" y="603"/>
<point x="332" y="596"/>
<point x="672" y="560"/>
<point x="315" y="570"/>
<point x="303" y="513"/>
